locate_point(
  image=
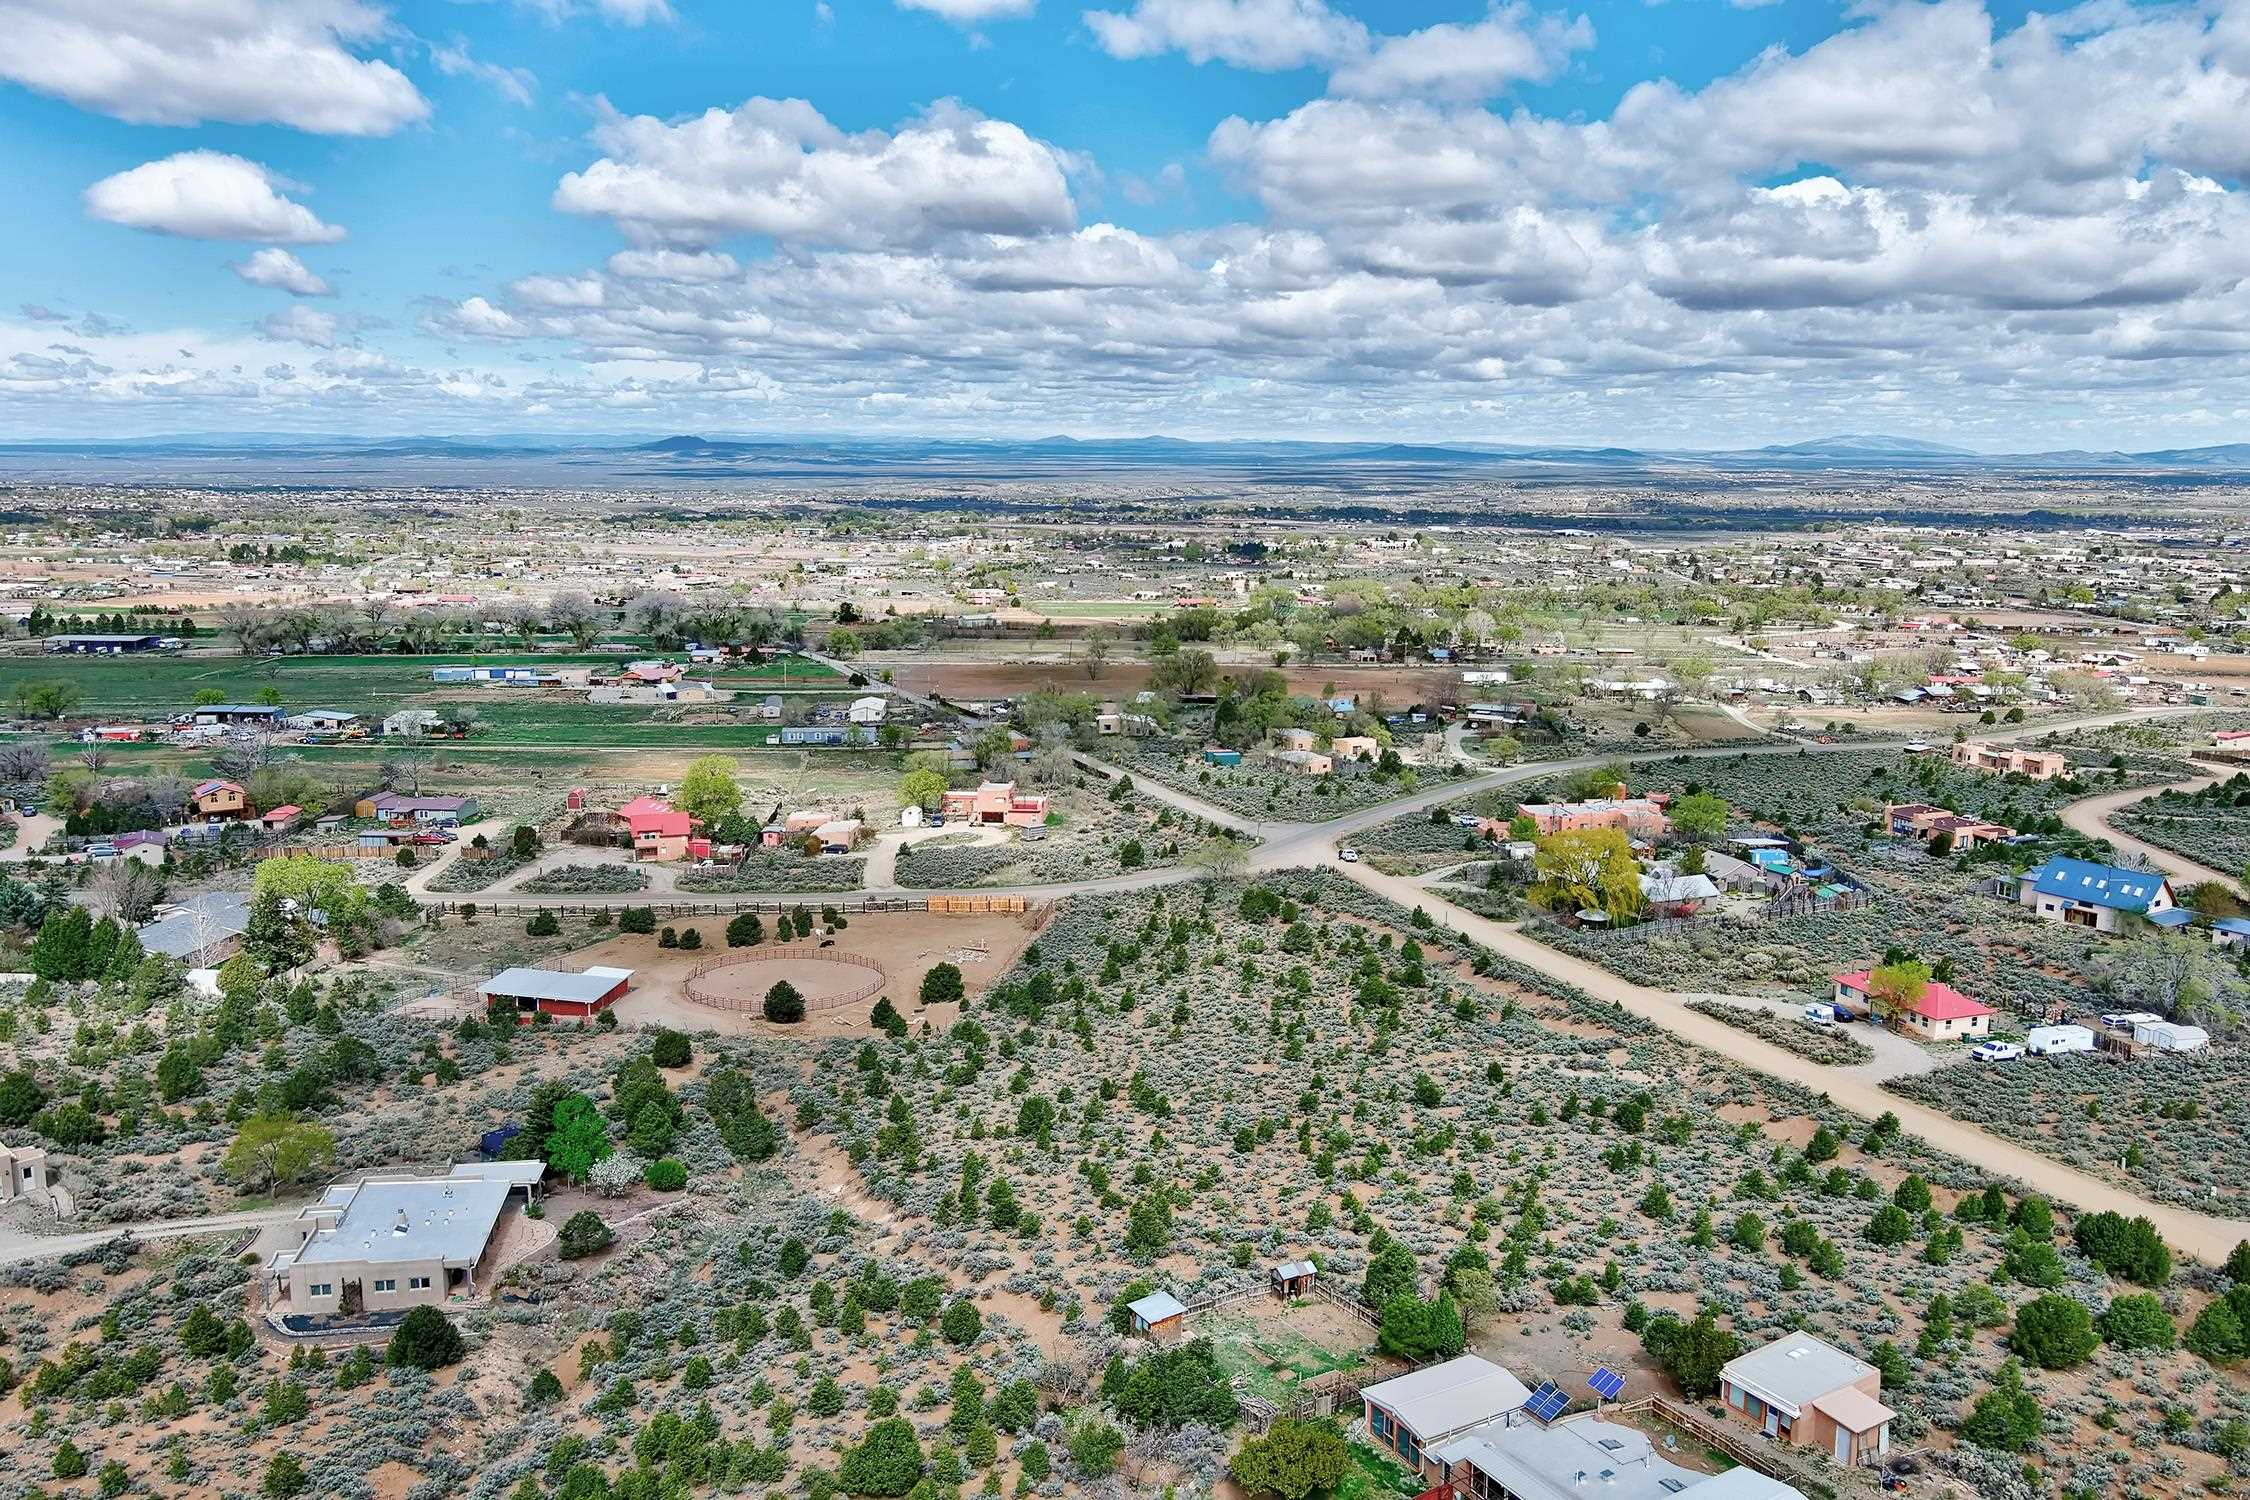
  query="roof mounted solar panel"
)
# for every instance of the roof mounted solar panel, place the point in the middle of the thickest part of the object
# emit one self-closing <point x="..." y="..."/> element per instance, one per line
<point x="1547" y="1402"/>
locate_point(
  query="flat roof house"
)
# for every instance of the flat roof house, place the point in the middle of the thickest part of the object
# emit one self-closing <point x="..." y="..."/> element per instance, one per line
<point x="2079" y="893"/>
<point x="2039" y="765"/>
<point x="1304" y="762"/>
<point x="1806" y="1392"/>
<point x="1410" y="1413"/>
<point x="1639" y="817"/>
<point x="1578" y="1456"/>
<point x="387" y="1244"/>
<point x="555" y="992"/>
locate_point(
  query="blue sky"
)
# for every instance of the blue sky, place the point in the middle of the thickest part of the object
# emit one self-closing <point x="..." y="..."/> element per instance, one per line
<point x="1689" y="223"/>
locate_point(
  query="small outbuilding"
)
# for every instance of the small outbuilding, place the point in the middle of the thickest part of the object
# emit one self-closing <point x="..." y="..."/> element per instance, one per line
<point x="576" y="997"/>
<point x="1293" y="1278"/>
<point x="1159" y="1316"/>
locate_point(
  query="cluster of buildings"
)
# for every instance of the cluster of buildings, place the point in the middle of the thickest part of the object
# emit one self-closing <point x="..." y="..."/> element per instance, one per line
<point x="1929" y="824"/>
<point x="2009" y="760"/>
<point x="1642" y="819"/>
<point x="1469" y="1424"/>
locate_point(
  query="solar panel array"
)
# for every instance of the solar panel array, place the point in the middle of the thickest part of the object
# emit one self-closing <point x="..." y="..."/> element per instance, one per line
<point x="1547" y="1403"/>
<point x="1607" y="1383"/>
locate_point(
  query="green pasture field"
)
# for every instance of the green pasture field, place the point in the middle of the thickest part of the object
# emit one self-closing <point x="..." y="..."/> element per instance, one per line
<point x="143" y="686"/>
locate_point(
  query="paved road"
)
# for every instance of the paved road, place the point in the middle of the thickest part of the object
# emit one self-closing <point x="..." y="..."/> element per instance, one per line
<point x="17" y="1246"/>
<point x="2091" y="817"/>
<point x="2205" y="1236"/>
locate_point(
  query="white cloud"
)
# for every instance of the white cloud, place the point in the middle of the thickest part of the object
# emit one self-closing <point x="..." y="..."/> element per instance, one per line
<point x="516" y="85"/>
<point x="1466" y="62"/>
<point x="282" y="271"/>
<point x="634" y="12"/>
<point x="559" y="291"/>
<point x="299" y="324"/>
<point x="673" y="265"/>
<point x="474" y="315"/>
<point x="183" y="62"/>
<point x="777" y="167"/>
<point x="1269" y="35"/>
<point x="972" y="12"/>
<point x="207" y="195"/>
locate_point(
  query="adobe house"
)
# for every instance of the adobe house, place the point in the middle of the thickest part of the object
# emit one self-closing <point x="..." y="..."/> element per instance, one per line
<point x="23" y="1173"/>
<point x="995" y="802"/>
<point x="1808" y="1393"/>
<point x="387" y="1244"/>
<point x="2039" y="765"/>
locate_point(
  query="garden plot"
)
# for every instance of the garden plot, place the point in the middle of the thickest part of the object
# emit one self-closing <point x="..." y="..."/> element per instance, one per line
<point x="1271" y="1352"/>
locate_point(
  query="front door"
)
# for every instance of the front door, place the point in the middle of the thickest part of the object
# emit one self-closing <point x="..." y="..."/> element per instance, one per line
<point x="1773" y="1422"/>
<point x="1843" y="1446"/>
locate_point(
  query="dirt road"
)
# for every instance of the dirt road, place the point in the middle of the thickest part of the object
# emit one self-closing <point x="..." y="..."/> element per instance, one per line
<point x="2206" y="1237"/>
<point x="2091" y="817"/>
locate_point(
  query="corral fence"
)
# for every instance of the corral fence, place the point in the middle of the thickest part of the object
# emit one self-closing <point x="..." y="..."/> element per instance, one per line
<point x="1347" y="1302"/>
<point x="1219" y="1300"/>
<point x="702" y="989"/>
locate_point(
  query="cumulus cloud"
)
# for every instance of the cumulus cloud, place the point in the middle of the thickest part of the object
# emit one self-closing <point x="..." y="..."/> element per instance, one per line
<point x="1262" y="34"/>
<point x="673" y="265"/>
<point x="207" y="195"/>
<point x="183" y="62"/>
<point x="1466" y="62"/>
<point x="777" y="167"/>
<point x="1961" y="220"/>
<point x="282" y="271"/>
<point x="299" y="324"/>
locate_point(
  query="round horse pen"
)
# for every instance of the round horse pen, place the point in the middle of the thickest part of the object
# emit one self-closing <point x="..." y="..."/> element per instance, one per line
<point x="828" y="978"/>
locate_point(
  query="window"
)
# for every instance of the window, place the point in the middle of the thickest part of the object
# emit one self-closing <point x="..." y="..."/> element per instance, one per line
<point x="321" y="1289"/>
<point x="387" y="1286"/>
<point x="417" y="1283"/>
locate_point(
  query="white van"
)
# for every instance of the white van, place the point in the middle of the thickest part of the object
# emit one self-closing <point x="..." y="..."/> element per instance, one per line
<point x="1819" y="1015"/>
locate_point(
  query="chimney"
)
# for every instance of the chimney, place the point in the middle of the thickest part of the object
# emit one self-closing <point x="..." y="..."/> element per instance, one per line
<point x="402" y="1225"/>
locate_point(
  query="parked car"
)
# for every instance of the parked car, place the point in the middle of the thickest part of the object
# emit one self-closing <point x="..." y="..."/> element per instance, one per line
<point x="1466" y="820"/>
<point x="1348" y="855"/>
<point x="1820" y="1015"/>
<point x="1996" y="1052"/>
<point x="433" y="838"/>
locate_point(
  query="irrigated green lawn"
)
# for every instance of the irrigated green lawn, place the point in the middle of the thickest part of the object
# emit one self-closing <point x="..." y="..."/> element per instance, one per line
<point x="1272" y="1357"/>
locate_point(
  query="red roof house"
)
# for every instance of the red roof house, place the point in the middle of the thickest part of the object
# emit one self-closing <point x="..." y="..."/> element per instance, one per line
<point x="1943" y="1014"/>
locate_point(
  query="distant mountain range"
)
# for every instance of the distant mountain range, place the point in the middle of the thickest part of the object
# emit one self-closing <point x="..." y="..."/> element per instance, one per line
<point x="610" y="458"/>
